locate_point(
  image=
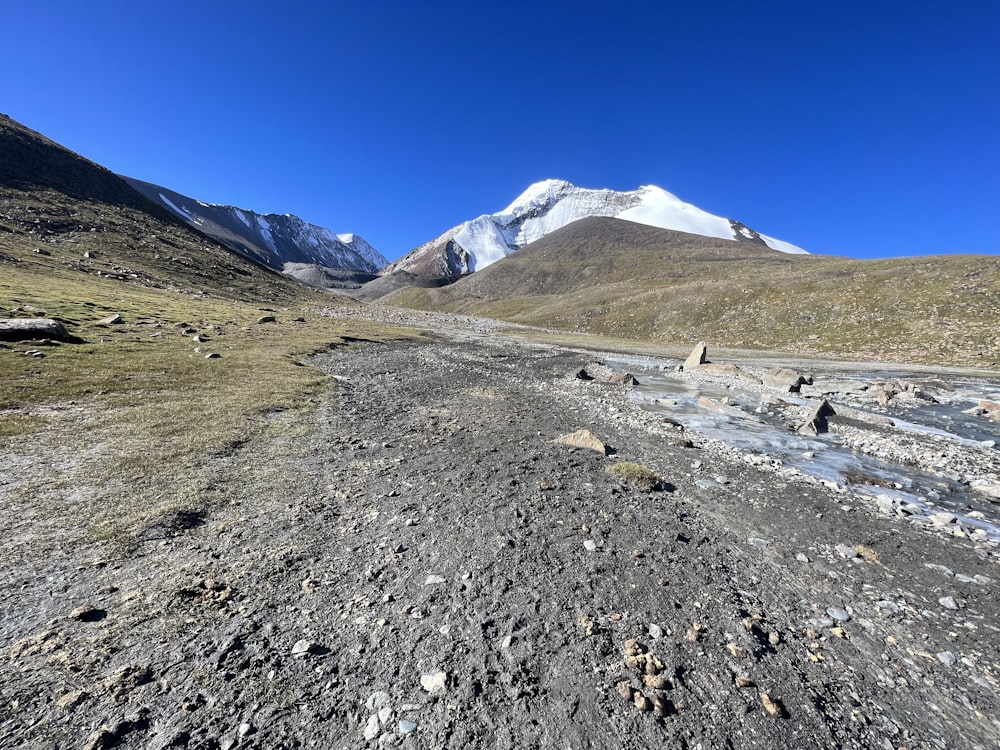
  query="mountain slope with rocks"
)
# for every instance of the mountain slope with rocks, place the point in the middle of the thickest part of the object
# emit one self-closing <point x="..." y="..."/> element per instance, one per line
<point x="552" y="204"/>
<point x="63" y="216"/>
<point x="273" y="240"/>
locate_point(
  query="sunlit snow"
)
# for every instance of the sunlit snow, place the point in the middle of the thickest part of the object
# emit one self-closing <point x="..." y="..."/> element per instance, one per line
<point x="552" y="204"/>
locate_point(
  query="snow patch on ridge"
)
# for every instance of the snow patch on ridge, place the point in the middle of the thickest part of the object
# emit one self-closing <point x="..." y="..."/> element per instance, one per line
<point x="658" y="208"/>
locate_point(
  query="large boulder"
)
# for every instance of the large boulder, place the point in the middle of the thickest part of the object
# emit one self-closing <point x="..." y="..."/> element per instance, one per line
<point x="698" y="356"/>
<point x="784" y="379"/>
<point x="32" y="329"/>
<point x="816" y="423"/>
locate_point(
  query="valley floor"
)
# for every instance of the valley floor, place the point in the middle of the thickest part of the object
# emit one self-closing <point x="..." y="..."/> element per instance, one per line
<point x="416" y="564"/>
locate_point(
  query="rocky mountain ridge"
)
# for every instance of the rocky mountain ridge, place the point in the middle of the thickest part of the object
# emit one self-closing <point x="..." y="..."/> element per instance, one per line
<point x="273" y="240"/>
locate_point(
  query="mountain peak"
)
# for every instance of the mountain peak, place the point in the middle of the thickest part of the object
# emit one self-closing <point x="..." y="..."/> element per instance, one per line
<point x="551" y="204"/>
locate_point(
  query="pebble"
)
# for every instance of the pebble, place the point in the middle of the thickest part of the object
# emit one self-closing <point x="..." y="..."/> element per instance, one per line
<point x="756" y="541"/>
<point x="941" y="519"/>
<point x="432" y="580"/>
<point x="846" y="552"/>
<point x="839" y="614"/>
<point x="372" y="728"/>
<point x="947" y="602"/>
<point x="377" y="700"/>
<point x="706" y="484"/>
<point x="801" y="558"/>
<point x="303" y="648"/>
<point x="434" y="683"/>
<point x="245" y="728"/>
<point x="821" y="622"/>
<point x="590" y="545"/>
<point x="886" y="606"/>
<point x="947" y="658"/>
<point x="407" y="727"/>
<point x="655" y="631"/>
<point x="939" y="569"/>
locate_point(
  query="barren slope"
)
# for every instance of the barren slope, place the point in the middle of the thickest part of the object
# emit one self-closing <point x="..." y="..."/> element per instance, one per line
<point x="612" y="277"/>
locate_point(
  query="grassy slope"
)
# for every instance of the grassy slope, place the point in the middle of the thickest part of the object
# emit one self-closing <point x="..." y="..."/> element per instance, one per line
<point x="613" y="278"/>
<point x="143" y="388"/>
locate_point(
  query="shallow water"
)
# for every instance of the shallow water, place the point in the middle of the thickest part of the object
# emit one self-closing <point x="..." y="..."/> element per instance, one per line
<point x="748" y="425"/>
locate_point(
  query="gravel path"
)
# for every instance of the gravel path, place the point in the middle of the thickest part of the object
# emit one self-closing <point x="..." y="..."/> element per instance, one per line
<point x="417" y="564"/>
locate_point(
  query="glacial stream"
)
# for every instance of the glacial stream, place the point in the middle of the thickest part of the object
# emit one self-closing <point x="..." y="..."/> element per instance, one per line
<point x="749" y="422"/>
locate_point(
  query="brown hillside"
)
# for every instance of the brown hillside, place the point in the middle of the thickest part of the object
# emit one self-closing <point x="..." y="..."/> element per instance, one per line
<point x="612" y="277"/>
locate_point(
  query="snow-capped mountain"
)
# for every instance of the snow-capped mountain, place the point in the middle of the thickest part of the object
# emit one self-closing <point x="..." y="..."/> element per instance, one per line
<point x="270" y="239"/>
<point x="552" y="204"/>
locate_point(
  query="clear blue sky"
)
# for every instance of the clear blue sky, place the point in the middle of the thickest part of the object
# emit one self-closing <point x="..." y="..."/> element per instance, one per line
<point x="867" y="129"/>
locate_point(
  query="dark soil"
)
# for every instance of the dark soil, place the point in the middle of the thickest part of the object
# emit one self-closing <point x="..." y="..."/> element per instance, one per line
<point x="422" y="521"/>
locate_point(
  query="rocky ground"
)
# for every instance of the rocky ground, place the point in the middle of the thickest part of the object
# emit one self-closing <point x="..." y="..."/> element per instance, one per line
<point x="417" y="564"/>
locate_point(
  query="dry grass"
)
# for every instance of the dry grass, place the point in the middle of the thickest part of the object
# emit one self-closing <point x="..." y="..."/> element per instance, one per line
<point x="638" y="475"/>
<point x="613" y="278"/>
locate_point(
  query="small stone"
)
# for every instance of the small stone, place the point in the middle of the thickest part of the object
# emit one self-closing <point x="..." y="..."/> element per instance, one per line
<point x="266" y="319"/>
<point x="655" y="631"/>
<point x="433" y="580"/>
<point x="656" y="681"/>
<point x="434" y="683"/>
<point x="111" y="320"/>
<point x="839" y="614"/>
<point x="662" y="706"/>
<point x="947" y="658"/>
<point x="941" y="519"/>
<point x="407" y="727"/>
<point x="642" y="702"/>
<point x="737" y="652"/>
<point x="377" y="700"/>
<point x="743" y="681"/>
<point x="634" y="648"/>
<point x="626" y="691"/>
<point x="590" y="545"/>
<point x="756" y="541"/>
<point x="801" y="558"/>
<point x="583" y="439"/>
<point x="303" y="648"/>
<point x="948" y="602"/>
<point x="245" y="728"/>
<point x="771" y="705"/>
<point x="213" y="355"/>
<point x="846" y="552"/>
<point x="372" y="728"/>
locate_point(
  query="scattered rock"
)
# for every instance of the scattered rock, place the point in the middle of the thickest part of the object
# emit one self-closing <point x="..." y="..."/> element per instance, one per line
<point x="304" y="648"/>
<point x="783" y="379"/>
<point x="29" y="329"/>
<point x="698" y="356"/>
<point x="772" y="706"/>
<point x="583" y="439"/>
<point x="816" y="423"/>
<point x="213" y="355"/>
<point x="111" y="320"/>
<point x="407" y="727"/>
<point x="947" y="658"/>
<point x="266" y="319"/>
<point x="838" y="614"/>
<point x="87" y="613"/>
<point x="434" y="683"/>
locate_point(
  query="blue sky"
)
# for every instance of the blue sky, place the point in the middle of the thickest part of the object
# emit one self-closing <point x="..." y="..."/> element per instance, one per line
<point x="868" y="129"/>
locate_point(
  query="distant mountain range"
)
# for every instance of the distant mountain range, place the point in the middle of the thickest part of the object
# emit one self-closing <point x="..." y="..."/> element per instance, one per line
<point x="274" y="240"/>
<point x="552" y="204"/>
